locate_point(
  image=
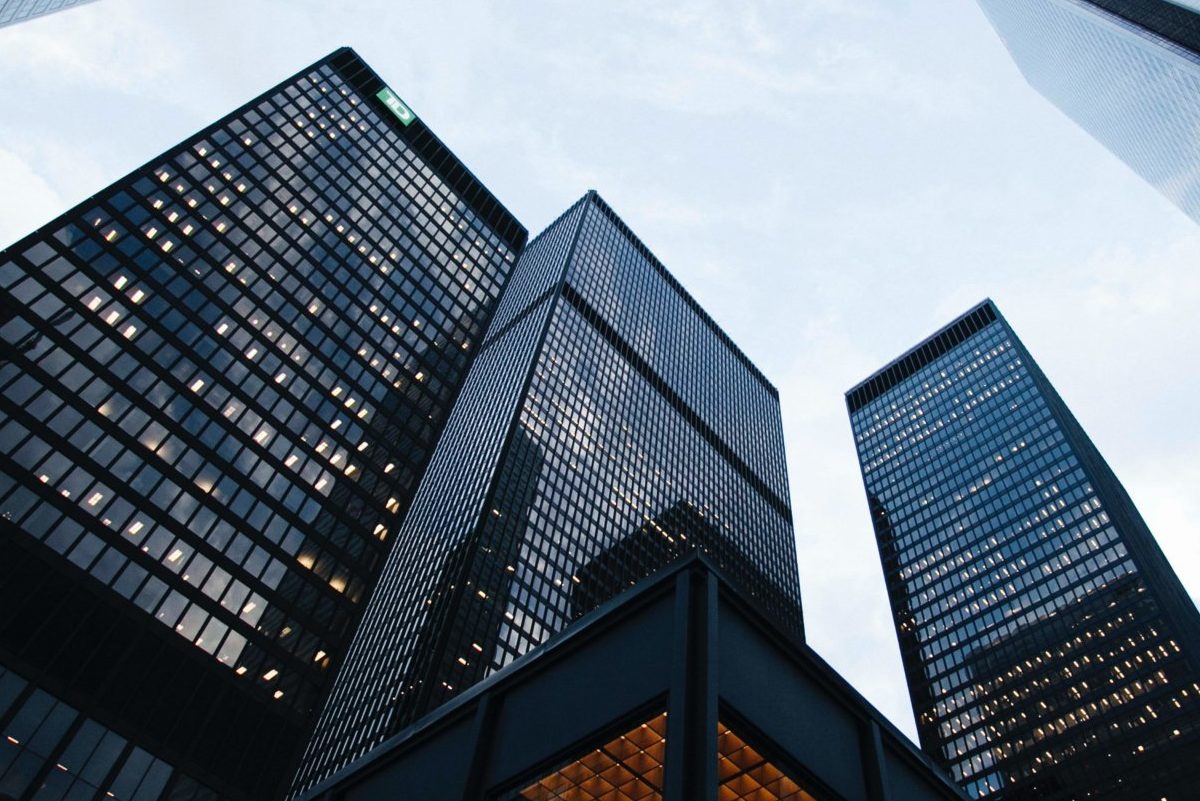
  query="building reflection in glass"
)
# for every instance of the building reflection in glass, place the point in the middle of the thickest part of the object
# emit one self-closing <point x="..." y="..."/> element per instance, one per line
<point x="602" y="397"/>
<point x="1126" y="71"/>
<point x="220" y="380"/>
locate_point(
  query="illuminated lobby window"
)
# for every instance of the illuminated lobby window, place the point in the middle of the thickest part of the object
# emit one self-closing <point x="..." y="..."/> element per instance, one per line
<point x="630" y="768"/>
<point x="746" y="775"/>
<point x="627" y="768"/>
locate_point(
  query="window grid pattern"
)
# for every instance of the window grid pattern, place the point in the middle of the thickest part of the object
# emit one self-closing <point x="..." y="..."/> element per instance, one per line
<point x="659" y="321"/>
<point x="13" y="11"/>
<point x="358" y="713"/>
<point x="51" y="751"/>
<point x="1134" y="90"/>
<point x="631" y="767"/>
<point x="564" y="442"/>
<point x="223" y="376"/>
<point x="626" y="768"/>
<point x="1030" y="638"/>
<point x="746" y="775"/>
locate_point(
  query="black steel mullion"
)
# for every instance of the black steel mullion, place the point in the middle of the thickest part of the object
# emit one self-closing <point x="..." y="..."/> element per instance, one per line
<point x="133" y="445"/>
<point x="691" y="749"/>
<point x="483" y="726"/>
<point x="874" y="761"/>
<point x="213" y="298"/>
<point x="659" y="384"/>
<point x="530" y="370"/>
<point x="165" y="375"/>
<point x="156" y="569"/>
<point x="113" y="772"/>
<point x="18" y="702"/>
<point x="51" y="760"/>
<point x="411" y="210"/>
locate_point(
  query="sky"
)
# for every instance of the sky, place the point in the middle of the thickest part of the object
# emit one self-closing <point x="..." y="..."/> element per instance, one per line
<point x="833" y="180"/>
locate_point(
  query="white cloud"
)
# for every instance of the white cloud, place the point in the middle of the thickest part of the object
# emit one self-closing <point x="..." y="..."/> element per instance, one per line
<point x="833" y="180"/>
<point x="27" y="201"/>
<point x="90" y="47"/>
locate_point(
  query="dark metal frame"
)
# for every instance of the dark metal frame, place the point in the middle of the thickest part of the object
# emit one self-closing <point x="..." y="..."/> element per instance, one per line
<point x="661" y="644"/>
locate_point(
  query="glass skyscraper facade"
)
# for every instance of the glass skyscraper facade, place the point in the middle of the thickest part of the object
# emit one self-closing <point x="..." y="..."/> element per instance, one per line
<point x="1051" y="652"/>
<point x="1127" y="71"/>
<point x="221" y="379"/>
<point x="13" y="11"/>
<point x="606" y="425"/>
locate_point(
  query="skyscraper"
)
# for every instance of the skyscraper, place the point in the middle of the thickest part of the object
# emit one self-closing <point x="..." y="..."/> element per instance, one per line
<point x="602" y="398"/>
<point x="221" y="379"/>
<point x="676" y="689"/>
<point x="1127" y="71"/>
<point x="1051" y="652"/>
<point x="14" y="11"/>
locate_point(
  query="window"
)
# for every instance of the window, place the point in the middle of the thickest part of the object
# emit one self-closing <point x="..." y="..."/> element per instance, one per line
<point x="745" y="775"/>
<point x="626" y="768"/>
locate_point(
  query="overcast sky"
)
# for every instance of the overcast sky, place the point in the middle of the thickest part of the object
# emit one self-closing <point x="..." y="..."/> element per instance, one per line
<point x="832" y="179"/>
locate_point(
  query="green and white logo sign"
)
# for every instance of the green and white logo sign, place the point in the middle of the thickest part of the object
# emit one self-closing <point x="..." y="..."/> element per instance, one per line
<point x="396" y="105"/>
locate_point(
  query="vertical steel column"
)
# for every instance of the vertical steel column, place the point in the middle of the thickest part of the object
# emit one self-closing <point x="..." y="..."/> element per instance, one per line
<point x="482" y="726"/>
<point x="874" y="766"/>
<point x="691" y="753"/>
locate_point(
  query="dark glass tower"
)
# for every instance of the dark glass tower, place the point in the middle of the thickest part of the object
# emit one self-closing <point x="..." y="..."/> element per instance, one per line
<point x="1051" y="652"/>
<point x="1127" y="71"/>
<point x="603" y="404"/>
<point x="221" y="379"/>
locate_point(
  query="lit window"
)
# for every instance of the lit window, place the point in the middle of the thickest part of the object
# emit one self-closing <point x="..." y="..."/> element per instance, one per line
<point x="745" y="775"/>
<point x="626" y="768"/>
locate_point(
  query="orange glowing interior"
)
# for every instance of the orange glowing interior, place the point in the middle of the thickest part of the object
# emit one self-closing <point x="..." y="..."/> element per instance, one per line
<point x="630" y="768"/>
<point x="744" y="774"/>
<point x="627" y="768"/>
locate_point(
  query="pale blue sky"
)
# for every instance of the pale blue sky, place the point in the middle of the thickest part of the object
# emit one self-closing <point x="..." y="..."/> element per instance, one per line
<point x="832" y="179"/>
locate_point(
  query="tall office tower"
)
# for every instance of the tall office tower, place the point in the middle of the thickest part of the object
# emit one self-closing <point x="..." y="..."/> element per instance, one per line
<point x="602" y="398"/>
<point x="14" y="11"/>
<point x="1127" y="71"/>
<point x="221" y="379"/>
<point x="1051" y="652"/>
